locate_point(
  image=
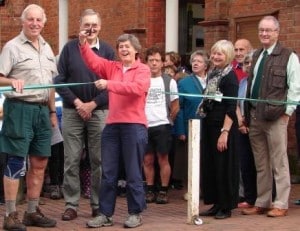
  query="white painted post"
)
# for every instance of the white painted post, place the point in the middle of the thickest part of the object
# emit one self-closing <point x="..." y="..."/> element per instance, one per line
<point x="193" y="172"/>
<point x="63" y="15"/>
<point x="172" y="9"/>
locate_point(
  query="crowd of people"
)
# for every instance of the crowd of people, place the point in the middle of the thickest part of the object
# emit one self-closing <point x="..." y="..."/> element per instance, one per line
<point x="130" y="120"/>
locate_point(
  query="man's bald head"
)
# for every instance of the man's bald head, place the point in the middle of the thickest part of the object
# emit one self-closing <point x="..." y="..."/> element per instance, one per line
<point x="241" y="48"/>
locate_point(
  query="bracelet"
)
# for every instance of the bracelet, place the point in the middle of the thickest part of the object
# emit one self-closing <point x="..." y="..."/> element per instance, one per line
<point x="224" y="130"/>
<point x="52" y="112"/>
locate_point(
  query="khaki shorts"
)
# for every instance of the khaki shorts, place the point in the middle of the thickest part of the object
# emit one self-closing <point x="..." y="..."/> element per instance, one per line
<point x="26" y="129"/>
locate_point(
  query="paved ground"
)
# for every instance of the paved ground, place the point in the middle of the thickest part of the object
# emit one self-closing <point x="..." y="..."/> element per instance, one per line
<point x="172" y="216"/>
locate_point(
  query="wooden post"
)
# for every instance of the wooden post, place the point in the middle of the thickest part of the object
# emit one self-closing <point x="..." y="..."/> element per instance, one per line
<point x="193" y="172"/>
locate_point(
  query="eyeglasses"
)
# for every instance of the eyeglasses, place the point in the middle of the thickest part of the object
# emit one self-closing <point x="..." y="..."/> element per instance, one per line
<point x="267" y="31"/>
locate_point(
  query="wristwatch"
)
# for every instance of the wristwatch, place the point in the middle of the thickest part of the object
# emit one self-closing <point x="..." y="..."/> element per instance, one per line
<point x="224" y="130"/>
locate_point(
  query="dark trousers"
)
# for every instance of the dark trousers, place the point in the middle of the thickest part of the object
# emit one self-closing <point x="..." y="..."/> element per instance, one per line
<point x="248" y="170"/>
<point x="3" y="160"/>
<point x="297" y="128"/>
<point x="56" y="164"/>
<point x="128" y="141"/>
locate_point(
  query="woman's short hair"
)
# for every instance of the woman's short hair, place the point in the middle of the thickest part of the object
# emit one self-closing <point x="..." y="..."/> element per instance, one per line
<point x="249" y="55"/>
<point x="132" y="39"/>
<point x="226" y="47"/>
<point x="201" y="53"/>
<point x="174" y="57"/>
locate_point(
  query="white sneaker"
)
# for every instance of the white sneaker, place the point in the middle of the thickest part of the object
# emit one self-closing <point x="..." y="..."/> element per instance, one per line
<point x="133" y="220"/>
<point x="100" y="221"/>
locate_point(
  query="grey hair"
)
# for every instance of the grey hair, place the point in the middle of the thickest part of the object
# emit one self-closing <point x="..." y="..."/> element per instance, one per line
<point x="271" y="18"/>
<point x="132" y="39"/>
<point x="89" y="12"/>
<point x="201" y="53"/>
<point x="31" y="6"/>
<point x="249" y="55"/>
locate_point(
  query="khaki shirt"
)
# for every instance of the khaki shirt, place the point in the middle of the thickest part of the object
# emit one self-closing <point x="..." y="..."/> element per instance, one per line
<point x="20" y="60"/>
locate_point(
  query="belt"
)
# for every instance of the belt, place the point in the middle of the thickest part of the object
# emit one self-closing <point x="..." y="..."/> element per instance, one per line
<point x="14" y="100"/>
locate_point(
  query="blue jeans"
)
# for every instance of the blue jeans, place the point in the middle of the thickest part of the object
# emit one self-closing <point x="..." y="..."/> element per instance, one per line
<point x="129" y="142"/>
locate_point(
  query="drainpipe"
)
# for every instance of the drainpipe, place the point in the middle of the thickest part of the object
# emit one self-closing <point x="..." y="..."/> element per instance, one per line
<point x="63" y="20"/>
<point x="172" y="8"/>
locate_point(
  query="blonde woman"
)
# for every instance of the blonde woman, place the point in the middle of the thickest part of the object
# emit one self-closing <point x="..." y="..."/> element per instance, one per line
<point x="219" y="159"/>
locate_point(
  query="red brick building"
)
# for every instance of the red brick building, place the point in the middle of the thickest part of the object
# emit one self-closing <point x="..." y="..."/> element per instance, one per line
<point x="193" y="23"/>
<point x="217" y="19"/>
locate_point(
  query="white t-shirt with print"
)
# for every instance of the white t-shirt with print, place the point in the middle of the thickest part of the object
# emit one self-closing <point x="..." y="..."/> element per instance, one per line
<point x="156" y="101"/>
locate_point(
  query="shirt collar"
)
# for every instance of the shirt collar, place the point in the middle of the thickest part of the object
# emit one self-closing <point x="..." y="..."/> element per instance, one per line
<point x="24" y="39"/>
<point x="96" y="45"/>
<point x="270" y="49"/>
<point x="237" y="65"/>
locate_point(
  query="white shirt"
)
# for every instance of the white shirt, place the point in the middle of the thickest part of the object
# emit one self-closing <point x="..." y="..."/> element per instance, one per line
<point x="1" y="106"/>
<point x="155" y="109"/>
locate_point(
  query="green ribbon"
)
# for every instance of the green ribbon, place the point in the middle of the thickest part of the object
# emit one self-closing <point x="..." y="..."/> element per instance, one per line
<point x="275" y="102"/>
<point x="28" y="87"/>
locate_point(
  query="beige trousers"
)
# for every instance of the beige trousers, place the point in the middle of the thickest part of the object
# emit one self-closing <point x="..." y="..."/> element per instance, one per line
<point x="269" y="144"/>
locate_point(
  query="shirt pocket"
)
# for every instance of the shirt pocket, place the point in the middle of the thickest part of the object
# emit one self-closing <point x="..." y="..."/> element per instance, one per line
<point x="49" y="65"/>
<point x="24" y="62"/>
<point x="279" y="78"/>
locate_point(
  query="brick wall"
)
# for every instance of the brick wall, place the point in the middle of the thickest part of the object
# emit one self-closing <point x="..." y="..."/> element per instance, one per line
<point x="144" y="18"/>
<point x="288" y="15"/>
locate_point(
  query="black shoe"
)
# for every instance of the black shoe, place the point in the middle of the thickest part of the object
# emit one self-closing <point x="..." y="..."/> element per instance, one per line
<point x="121" y="191"/>
<point x="95" y="212"/>
<point x="211" y="212"/>
<point x="223" y="214"/>
<point x="176" y="184"/>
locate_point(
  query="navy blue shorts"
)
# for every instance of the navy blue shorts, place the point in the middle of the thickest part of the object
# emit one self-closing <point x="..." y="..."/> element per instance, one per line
<point x="159" y="139"/>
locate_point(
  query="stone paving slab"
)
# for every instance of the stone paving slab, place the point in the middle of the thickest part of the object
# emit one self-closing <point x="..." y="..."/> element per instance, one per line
<point x="172" y="216"/>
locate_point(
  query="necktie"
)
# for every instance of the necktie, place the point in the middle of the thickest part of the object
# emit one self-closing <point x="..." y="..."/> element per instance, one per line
<point x="255" y="89"/>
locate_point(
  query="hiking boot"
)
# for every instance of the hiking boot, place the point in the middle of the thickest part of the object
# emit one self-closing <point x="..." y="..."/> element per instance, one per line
<point x="162" y="197"/>
<point x="133" y="220"/>
<point x="38" y="219"/>
<point x="150" y="197"/>
<point x="99" y="221"/>
<point x="12" y="223"/>
<point x="55" y="192"/>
